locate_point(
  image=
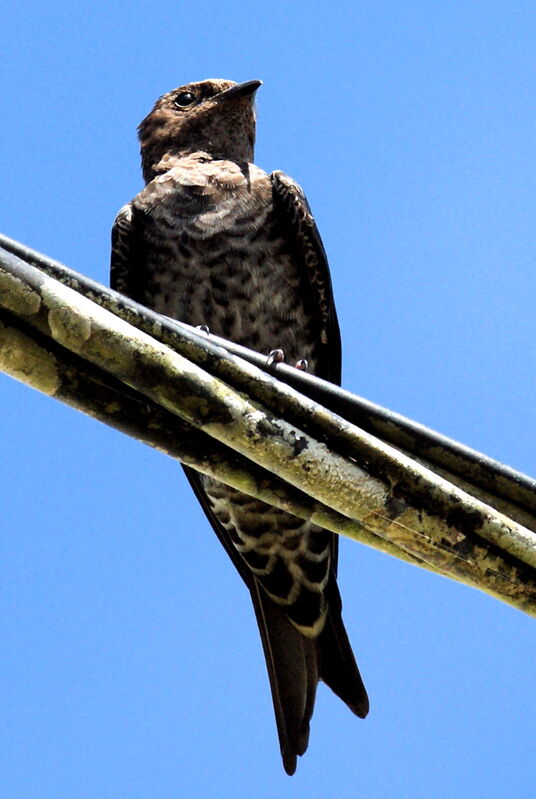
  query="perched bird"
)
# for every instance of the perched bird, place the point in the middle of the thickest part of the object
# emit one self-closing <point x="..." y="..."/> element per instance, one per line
<point x="213" y="240"/>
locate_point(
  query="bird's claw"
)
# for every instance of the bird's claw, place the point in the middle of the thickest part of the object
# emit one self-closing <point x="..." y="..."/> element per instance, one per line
<point x="302" y="364"/>
<point x="275" y="356"/>
<point x="203" y="329"/>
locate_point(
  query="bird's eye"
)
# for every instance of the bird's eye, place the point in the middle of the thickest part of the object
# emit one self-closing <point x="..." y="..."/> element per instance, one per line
<point x="184" y="99"/>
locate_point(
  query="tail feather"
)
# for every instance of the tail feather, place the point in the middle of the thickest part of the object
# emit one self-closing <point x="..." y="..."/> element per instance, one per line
<point x="337" y="665"/>
<point x="292" y="664"/>
<point x="296" y="664"/>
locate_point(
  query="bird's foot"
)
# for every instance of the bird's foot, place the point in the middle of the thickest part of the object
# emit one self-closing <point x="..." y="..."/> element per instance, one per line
<point x="203" y="329"/>
<point x="302" y="365"/>
<point x="275" y="356"/>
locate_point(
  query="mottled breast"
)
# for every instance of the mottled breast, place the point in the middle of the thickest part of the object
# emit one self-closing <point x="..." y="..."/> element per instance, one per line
<point x="214" y="255"/>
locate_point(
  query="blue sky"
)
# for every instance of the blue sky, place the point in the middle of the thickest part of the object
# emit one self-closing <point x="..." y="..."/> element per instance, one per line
<point x="131" y="665"/>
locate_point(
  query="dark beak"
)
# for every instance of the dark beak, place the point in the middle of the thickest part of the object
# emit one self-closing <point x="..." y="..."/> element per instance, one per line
<point x="240" y="90"/>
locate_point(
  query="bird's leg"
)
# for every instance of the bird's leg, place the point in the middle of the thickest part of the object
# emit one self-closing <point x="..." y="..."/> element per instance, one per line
<point x="275" y="356"/>
<point x="278" y="356"/>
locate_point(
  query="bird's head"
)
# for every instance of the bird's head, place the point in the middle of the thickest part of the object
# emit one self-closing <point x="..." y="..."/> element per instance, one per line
<point x="212" y="116"/>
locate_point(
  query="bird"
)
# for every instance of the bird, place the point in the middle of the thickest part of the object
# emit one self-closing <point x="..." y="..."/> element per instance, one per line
<point x="213" y="240"/>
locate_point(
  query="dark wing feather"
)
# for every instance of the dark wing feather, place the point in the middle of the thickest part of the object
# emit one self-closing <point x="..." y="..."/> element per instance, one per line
<point x="296" y="221"/>
<point x="127" y="268"/>
<point x="336" y="662"/>
<point x="121" y="266"/>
